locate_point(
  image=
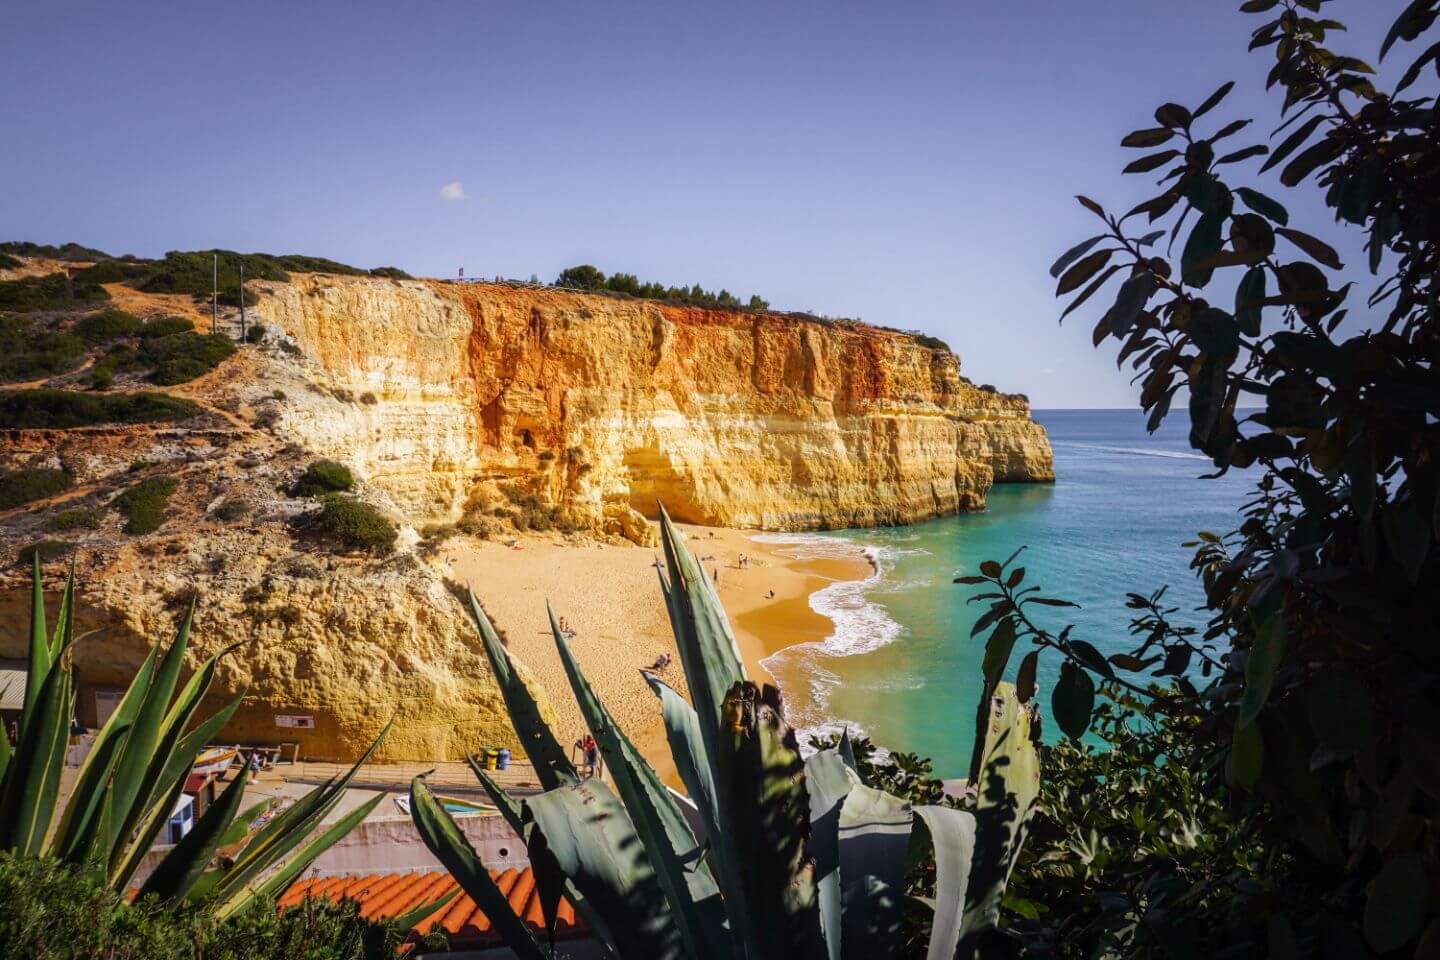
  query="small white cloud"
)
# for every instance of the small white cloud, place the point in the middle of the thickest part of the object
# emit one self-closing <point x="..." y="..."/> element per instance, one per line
<point x="453" y="192"/>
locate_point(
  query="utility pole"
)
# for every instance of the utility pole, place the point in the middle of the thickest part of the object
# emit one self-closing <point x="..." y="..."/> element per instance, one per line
<point x="242" y="303"/>
<point x="214" y="293"/>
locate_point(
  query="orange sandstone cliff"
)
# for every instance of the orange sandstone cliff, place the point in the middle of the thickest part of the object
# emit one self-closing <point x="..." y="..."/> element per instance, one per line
<point x="602" y="406"/>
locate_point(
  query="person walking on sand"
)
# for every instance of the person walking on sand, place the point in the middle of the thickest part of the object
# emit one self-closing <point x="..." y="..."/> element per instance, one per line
<point x="254" y="765"/>
<point x="592" y="754"/>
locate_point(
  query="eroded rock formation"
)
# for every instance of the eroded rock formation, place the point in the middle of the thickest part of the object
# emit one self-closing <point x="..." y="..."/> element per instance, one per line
<point x="602" y="406"/>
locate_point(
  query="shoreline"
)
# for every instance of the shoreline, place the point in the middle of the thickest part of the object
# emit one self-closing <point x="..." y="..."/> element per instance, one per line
<point x="611" y="597"/>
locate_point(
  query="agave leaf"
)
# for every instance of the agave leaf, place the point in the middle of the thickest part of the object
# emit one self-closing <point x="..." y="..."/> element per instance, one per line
<point x="418" y="915"/>
<point x="65" y="619"/>
<point x="240" y="826"/>
<point x="846" y="749"/>
<point x="448" y="843"/>
<point x="132" y="794"/>
<point x="1008" y="789"/>
<point x="109" y="743"/>
<point x="286" y="831"/>
<point x="34" y="780"/>
<point x="4" y="749"/>
<point x="133" y="855"/>
<point x="707" y="646"/>
<point x="874" y="841"/>
<point x="765" y="821"/>
<point x="182" y="758"/>
<point x="175" y="875"/>
<point x="950" y="833"/>
<point x="674" y="854"/>
<point x="687" y="748"/>
<point x="828" y="780"/>
<point x="71" y="842"/>
<point x="552" y="766"/>
<point x="550" y="880"/>
<point x="280" y="881"/>
<point x="584" y="827"/>
<point x="39" y="663"/>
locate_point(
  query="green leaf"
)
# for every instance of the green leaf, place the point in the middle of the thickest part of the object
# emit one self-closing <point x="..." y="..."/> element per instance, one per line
<point x="1262" y="205"/>
<point x="1395" y="902"/>
<point x="418" y="915"/>
<point x="1214" y="99"/>
<point x="585" y="829"/>
<point x="1266" y="654"/>
<point x="1320" y="153"/>
<point x="1092" y="659"/>
<point x="1007" y="791"/>
<point x="1151" y="137"/>
<point x="874" y="836"/>
<point x="1082" y="271"/>
<point x="39" y="663"/>
<point x="1150" y="162"/>
<point x="278" y="882"/>
<point x="176" y="874"/>
<point x="33" y="781"/>
<point x="1134" y="294"/>
<point x="1204" y="242"/>
<point x="1025" y="680"/>
<point x="552" y="766"/>
<point x="1249" y="301"/>
<point x="1287" y="146"/>
<point x="444" y="838"/>
<point x="828" y="781"/>
<point x="687" y="748"/>
<point x="1316" y="248"/>
<point x="693" y="897"/>
<point x="1172" y="115"/>
<point x="950" y="833"/>
<point x="1247" y="756"/>
<point x="1073" y="700"/>
<point x="1069" y="256"/>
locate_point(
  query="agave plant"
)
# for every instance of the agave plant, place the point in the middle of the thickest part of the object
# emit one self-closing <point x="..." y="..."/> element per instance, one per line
<point x="129" y="782"/>
<point x="790" y="858"/>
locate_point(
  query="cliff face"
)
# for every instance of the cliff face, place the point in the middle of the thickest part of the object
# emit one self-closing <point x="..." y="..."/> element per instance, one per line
<point x="602" y="406"/>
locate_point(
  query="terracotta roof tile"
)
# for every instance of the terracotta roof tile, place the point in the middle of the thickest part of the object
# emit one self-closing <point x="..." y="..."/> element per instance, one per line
<point x="389" y="895"/>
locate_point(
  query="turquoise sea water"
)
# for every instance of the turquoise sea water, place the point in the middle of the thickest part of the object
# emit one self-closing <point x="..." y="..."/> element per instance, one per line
<point x="900" y="664"/>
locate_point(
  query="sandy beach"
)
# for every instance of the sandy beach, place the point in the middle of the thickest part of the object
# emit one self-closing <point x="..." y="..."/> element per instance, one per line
<point x="611" y="597"/>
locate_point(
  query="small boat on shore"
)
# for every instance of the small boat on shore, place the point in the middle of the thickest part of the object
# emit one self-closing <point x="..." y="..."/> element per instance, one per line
<point x="215" y="760"/>
<point x="451" y="804"/>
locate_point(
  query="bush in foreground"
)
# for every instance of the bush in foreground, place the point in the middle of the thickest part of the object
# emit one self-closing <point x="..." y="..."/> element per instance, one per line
<point x="144" y="504"/>
<point x="355" y="525"/>
<point x="322" y="477"/>
<point x="24" y="486"/>
<point x="63" y="409"/>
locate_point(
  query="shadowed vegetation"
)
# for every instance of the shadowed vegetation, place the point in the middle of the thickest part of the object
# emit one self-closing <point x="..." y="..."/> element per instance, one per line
<point x="23" y="486"/>
<point x="61" y="409"/>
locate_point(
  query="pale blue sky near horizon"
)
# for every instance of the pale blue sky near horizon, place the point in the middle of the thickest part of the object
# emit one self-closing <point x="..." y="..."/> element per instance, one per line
<point x="910" y="164"/>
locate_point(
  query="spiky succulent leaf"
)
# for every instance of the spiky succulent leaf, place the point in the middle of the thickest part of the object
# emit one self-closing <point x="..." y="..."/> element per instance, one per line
<point x="176" y="874"/>
<point x="585" y="829"/>
<point x="1008" y="788"/>
<point x="444" y="838"/>
<point x="687" y="749"/>
<point x="280" y="880"/>
<point x="694" y="899"/>
<point x="414" y="917"/>
<point x="874" y="842"/>
<point x="34" y="778"/>
<point x="552" y="766"/>
<point x="39" y="654"/>
<point x="828" y="780"/>
<point x="284" y="833"/>
<point x="134" y="784"/>
<point x="948" y="835"/>
<point x="765" y="822"/>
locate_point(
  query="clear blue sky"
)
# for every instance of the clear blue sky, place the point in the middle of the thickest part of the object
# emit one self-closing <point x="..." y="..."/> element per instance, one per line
<point x="909" y="164"/>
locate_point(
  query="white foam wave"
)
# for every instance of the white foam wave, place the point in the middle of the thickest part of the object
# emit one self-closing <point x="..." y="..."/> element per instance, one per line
<point x="860" y="625"/>
<point x="1133" y="451"/>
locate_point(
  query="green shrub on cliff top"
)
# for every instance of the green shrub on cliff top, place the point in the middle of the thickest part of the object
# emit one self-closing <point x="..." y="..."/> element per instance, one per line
<point x="144" y="504"/>
<point x="322" y="477"/>
<point x="24" y="486"/>
<point x="181" y="357"/>
<point x="64" y="409"/>
<point x="54" y="291"/>
<point x="355" y="524"/>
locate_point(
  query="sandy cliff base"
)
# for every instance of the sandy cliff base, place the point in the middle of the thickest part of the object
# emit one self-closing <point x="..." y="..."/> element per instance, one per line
<point x="611" y="597"/>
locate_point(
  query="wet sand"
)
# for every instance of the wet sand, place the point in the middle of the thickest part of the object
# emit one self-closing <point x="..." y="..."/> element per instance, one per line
<point x="611" y="597"/>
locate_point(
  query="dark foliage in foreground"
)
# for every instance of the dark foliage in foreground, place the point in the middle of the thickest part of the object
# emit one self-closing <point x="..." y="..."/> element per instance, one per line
<point x="355" y="525"/>
<point x="63" y="409"/>
<point x="55" y="910"/>
<point x="1282" y="786"/>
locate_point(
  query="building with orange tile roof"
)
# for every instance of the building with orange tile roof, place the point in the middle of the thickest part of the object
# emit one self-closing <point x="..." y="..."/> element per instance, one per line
<point x="389" y="895"/>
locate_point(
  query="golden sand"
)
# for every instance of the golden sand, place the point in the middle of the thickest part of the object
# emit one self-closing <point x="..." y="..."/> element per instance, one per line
<point x="610" y="596"/>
